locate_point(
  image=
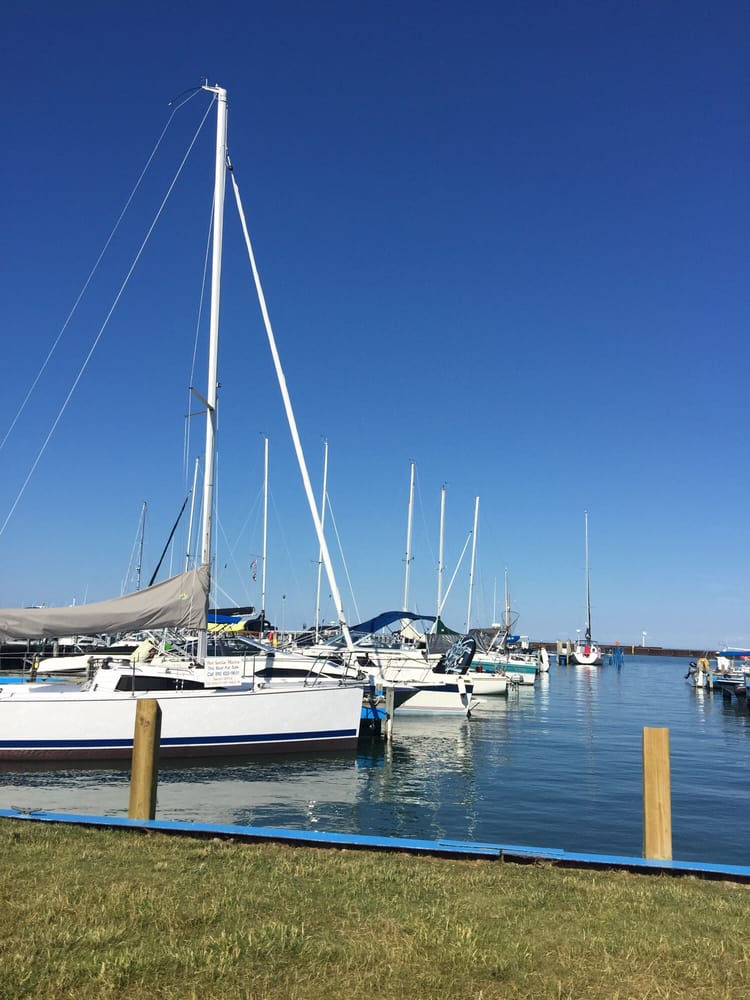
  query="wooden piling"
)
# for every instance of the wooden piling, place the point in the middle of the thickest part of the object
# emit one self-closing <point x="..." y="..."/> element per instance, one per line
<point x="390" y="701"/>
<point x="657" y="804"/>
<point x="144" y="773"/>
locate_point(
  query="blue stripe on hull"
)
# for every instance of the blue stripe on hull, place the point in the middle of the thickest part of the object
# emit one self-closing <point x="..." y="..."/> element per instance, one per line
<point x="177" y="746"/>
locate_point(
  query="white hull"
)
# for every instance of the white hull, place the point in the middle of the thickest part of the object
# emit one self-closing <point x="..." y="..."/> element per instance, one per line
<point x="488" y="683"/>
<point x="62" y="722"/>
<point x="447" y="700"/>
<point x="586" y="656"/>
<point x="434" y="694"/>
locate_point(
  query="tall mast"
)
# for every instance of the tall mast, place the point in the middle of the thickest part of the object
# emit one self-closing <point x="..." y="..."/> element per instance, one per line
<point x="213" y="344"/>
<point x="473" y="556"/>
<point x="508" y="622"/>
<point x="588" y="589"/>
<point x="408" y="539"/>
<point x="140" y="549"/>
<point x="265" y="539"/>
<point x="440" y="554"/>
<point x="320" y="550"/>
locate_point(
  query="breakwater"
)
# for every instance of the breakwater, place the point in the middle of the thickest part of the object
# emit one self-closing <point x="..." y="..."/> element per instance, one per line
<point x="630" y="650"/>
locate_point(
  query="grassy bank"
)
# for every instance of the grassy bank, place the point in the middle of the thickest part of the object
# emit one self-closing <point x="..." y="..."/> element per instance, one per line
<point x="109" y="913"/>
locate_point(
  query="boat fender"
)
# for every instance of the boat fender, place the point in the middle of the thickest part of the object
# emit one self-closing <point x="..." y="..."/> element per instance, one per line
<point x="703" y="664"/>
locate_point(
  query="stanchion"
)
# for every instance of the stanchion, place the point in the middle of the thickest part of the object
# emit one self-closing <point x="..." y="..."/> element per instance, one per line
<point x="144" y="773"/>
<point x="657" y="804"/>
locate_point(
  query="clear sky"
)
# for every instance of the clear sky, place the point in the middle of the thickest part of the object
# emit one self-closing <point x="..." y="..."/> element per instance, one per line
<point x="506" y="241"/>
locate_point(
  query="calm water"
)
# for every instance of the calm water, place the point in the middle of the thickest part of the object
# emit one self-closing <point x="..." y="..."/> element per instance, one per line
<point x="556" y="767"/>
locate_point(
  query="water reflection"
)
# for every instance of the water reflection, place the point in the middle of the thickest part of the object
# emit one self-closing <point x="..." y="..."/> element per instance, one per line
<point x="556" y="766"/>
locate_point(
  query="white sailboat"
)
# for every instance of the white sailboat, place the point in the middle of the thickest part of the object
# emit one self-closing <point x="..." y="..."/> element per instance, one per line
<point x="503" y="653"/>
<point x="586" y="652"/>
<point x="229" y="715"/>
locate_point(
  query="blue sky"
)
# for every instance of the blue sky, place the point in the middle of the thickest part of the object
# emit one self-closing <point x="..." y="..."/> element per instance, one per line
<point x="504" y="241"/>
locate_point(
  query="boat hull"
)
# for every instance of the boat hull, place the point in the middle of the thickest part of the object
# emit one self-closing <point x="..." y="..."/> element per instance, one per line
<point x="431" y="694"/>
<point x="586" y="661"/>
<point x="438" y="700"/>
<point x="42" y="722"/>
<point x="519" y="670"/>
<point x="488" y="683"/>
<point x="586" y="655"/>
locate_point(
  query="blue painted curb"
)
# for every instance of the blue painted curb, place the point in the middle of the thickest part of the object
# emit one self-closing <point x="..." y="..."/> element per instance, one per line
<point x="448" y="848"/>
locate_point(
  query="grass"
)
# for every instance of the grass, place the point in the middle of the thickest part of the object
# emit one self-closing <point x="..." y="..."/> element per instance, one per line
<point x="92" y="913"/>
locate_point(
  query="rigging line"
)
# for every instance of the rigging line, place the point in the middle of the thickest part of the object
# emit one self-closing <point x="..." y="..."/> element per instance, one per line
<point x="89" y="279"/>
<point x="427" y="531"/>
<point x="169" y="541"/>
<point x="191" y="92"/>
<point x="138" y="537"/>
<point x="455" y="571"/>
<point x="254" y="509"/>
<point x="231" y="558"/>
<point x="99" y="335"/>
<point x="343" y="558"/>
<point x="231" y="599"/>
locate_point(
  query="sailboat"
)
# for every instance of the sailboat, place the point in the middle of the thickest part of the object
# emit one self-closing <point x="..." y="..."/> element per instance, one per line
<point x="504" y="652"/>
<point x="203" y="713"/>
<point x="586" y="652"/>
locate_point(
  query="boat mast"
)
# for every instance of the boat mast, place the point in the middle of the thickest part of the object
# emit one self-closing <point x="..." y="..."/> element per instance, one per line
<point x="440" y="556"/>
<point x="408" y="539"/>
<point x="473" y="556"/>
<point x="213" y="346"/>
<point x="320" y="550"/>
<point x="588" y="589"/>
<point x="265" y="539"/>
<point x="140" y="549"/>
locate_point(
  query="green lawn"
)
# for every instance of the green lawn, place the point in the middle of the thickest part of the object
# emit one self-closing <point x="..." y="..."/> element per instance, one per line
<point x="102" y="913"/>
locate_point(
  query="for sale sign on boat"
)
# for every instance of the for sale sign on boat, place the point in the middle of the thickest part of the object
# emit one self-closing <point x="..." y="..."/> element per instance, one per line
<point x="224" y="671"/>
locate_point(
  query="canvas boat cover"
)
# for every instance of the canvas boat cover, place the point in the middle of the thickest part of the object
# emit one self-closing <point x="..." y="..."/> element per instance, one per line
<point x="180" y="602"/>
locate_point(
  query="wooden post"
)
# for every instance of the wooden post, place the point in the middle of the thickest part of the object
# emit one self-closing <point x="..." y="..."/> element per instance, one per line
<point x="657" y="805"/>
<point x="145" y="767"/>
<point x="390" y="701"/>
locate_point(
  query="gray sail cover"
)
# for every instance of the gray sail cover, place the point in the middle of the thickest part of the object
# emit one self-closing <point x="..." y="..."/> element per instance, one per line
<point x="180" y="602"/>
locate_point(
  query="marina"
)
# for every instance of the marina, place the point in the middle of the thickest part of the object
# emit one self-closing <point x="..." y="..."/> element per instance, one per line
<point x="556" y="765"/>
<point x="271" y="726"/>
<point x="504" y="747"/>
